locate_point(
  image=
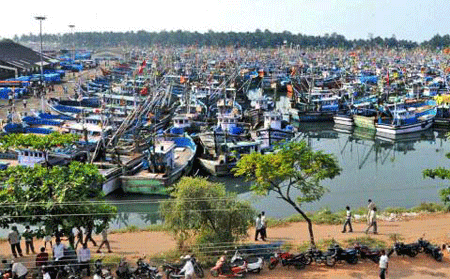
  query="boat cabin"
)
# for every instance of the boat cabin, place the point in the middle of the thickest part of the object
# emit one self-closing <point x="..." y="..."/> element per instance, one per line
<point x="29" y="158"/>
<point x="163" y="155"/>
<point x="272" y="120"/>
<point x="227" y="121"/>
<point x="182" y="121"/>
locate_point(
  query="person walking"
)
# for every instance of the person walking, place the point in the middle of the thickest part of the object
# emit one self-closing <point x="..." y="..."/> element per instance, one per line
<point x="14" y="241"/>
<point x="89" y="235"/>
<point x="48" y="239"/>
<point x="104" y="241"/>
<point x="84" y="257"/>
<point x="28" y="235"/>
<point x="264" y="226"/>
<point x="373" y="221"/>
<point x="348" y="220"/>
<point x="384" y="263"/>
<point x="258" y="227"/>
<point x="370" y="207"/>
<point x="24" y="102"/>
<point x="79" y="237"/>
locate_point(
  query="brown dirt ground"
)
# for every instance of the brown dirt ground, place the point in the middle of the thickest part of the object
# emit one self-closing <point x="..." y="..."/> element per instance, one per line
<point x="434" y="226"/>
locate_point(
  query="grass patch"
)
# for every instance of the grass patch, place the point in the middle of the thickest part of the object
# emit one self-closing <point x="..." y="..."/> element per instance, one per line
<point x="169" y="256"/>
<point x="326" y="216"/>
<point x="3" y="239"/>
<point x="366" y="240"/>
<point x="429" y="207"/>
<point x="108" y="260"/>
<point x="395" y="210"/>
<point x="395" y="237"/>
<point x="134" y="228"/>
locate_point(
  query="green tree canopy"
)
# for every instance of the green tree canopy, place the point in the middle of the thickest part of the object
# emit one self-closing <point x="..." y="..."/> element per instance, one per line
<point x="205" y="210"/>
<point x="293" y="166"/>
<point x="64" y="196"/>
<point x="36" y="142"/>
<point x="442" y="173"/>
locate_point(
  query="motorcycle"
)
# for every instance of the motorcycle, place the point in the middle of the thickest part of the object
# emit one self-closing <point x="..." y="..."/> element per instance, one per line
<point x="348" y="255"/>
<point x="402" y="249"/>
<point x="430" y="249"/>
<point x="104" y="273"/>
<point x="313" y="254"/>
<point x="222" y="269"/>
<point x="146" y="271"/>
<point x="252" y="266"/>
<point x="364" y="252"/>
<point x="299" y="261"/>
<point x="124" y="271"/>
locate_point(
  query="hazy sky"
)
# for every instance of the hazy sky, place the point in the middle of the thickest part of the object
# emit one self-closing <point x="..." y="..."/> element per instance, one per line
<point x="408" y="19"/>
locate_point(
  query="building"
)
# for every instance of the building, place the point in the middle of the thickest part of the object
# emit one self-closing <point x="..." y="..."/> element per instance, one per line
<point x="17" y="60"/>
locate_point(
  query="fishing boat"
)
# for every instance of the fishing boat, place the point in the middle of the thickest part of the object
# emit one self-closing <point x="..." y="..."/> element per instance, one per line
<point x="228" y="155"/>
<point x="272" y="132"/>
<point x="170" y="158"/>
<point x="407" y="119"/>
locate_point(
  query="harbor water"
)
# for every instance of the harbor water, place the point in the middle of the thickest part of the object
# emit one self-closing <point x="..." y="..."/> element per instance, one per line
<point x="388" y="171"/>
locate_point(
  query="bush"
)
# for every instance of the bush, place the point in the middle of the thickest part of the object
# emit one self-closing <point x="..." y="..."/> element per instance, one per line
<point x="429" y="207"/>
<point x="366" y="240"/>
<point x="395" y="210"/>
<point x="325" y="216"/>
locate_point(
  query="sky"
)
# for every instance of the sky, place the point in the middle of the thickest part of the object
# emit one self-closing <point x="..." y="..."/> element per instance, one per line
<point x="415" y="20"/>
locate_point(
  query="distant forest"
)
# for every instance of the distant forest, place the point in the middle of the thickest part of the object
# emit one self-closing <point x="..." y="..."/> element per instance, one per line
<point x="255" y="39"/>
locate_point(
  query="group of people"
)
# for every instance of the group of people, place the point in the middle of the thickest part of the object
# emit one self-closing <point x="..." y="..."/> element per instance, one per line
<point x="60" y="252"/>
<point x="371" y="218"/>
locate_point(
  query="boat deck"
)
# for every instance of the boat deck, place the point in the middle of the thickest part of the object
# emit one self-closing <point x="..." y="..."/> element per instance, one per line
<point x="182" y="155"/>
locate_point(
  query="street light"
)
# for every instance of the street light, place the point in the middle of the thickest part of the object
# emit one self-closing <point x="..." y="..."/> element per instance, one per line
<point x="41" y="18"/>
<point x="71" y="26"/>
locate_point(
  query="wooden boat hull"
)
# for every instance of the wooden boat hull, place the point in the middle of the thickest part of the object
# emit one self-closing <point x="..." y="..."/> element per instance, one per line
<point x="404" y="129"/>
<point x="216" y="168"/>
<point x="344" y="120"/>
<point x="367" y="122"/>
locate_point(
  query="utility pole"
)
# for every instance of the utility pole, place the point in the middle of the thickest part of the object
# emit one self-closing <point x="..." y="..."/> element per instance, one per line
<point x="41" y="18"/>
<point x="71" y="26"/>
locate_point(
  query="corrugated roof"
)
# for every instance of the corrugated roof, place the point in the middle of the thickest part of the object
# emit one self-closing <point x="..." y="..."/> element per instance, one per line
<point x="19" y="56"/>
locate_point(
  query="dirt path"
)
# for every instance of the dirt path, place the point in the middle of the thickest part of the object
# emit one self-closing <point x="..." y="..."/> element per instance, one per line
<point x="132" y="245"/>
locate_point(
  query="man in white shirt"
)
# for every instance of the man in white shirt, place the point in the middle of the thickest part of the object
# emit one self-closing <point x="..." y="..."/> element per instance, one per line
<point x="384" y="263"/>
<point x="373" y="221"/>
<point x="370" y="207"/>
<point x="58" y="249"/>
<point x="188" y="268"/>
<point x="264" y="226"/>
<point x="258" y="227"/>
<point x="84" y="258"/>
<point x="19" y="270"/>
<point x="348" y="220"/>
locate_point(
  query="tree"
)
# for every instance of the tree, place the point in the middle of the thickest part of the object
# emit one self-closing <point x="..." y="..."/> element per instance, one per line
<point x="441" y="173"/>
<point x="61" y="196"/>
<point x="293" y="166"/>
<point x="204" y="210"/>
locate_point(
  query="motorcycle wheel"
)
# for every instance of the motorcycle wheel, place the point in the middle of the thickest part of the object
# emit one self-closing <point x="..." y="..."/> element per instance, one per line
<point x="272" y="263"/>
<point x="169" y="274"/>
<point x="330" y="261"/>
<point x="352" y="260"/>
<point x="214" y="273"/>
<point x="438" y="257"/>
<point x="307" y="260"/>
<point x="413" y="253"/>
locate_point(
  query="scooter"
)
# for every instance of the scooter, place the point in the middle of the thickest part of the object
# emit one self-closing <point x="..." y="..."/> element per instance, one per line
<point x="255" y="265"/>
<point x="221" y="269"/>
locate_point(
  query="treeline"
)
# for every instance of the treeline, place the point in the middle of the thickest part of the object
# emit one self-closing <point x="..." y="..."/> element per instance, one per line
<point x="255" y="39"/>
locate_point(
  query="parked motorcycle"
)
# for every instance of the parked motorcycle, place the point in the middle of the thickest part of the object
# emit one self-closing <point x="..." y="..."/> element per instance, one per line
<point x="173" y="270"/>
<point x="349" y="255"/>
<point x="255" y="265"/>
<point x="299" y="261"/>
<point x="124" y="271"/>
<point x="402" y="249"/>
<point x="223" y="269"/>
<point x="144" y="270"/>
<point x="313" y="254"/>
<point x="364" y="252"/>
<point x="104" y="273"/>
<point x="430" y="249"/>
